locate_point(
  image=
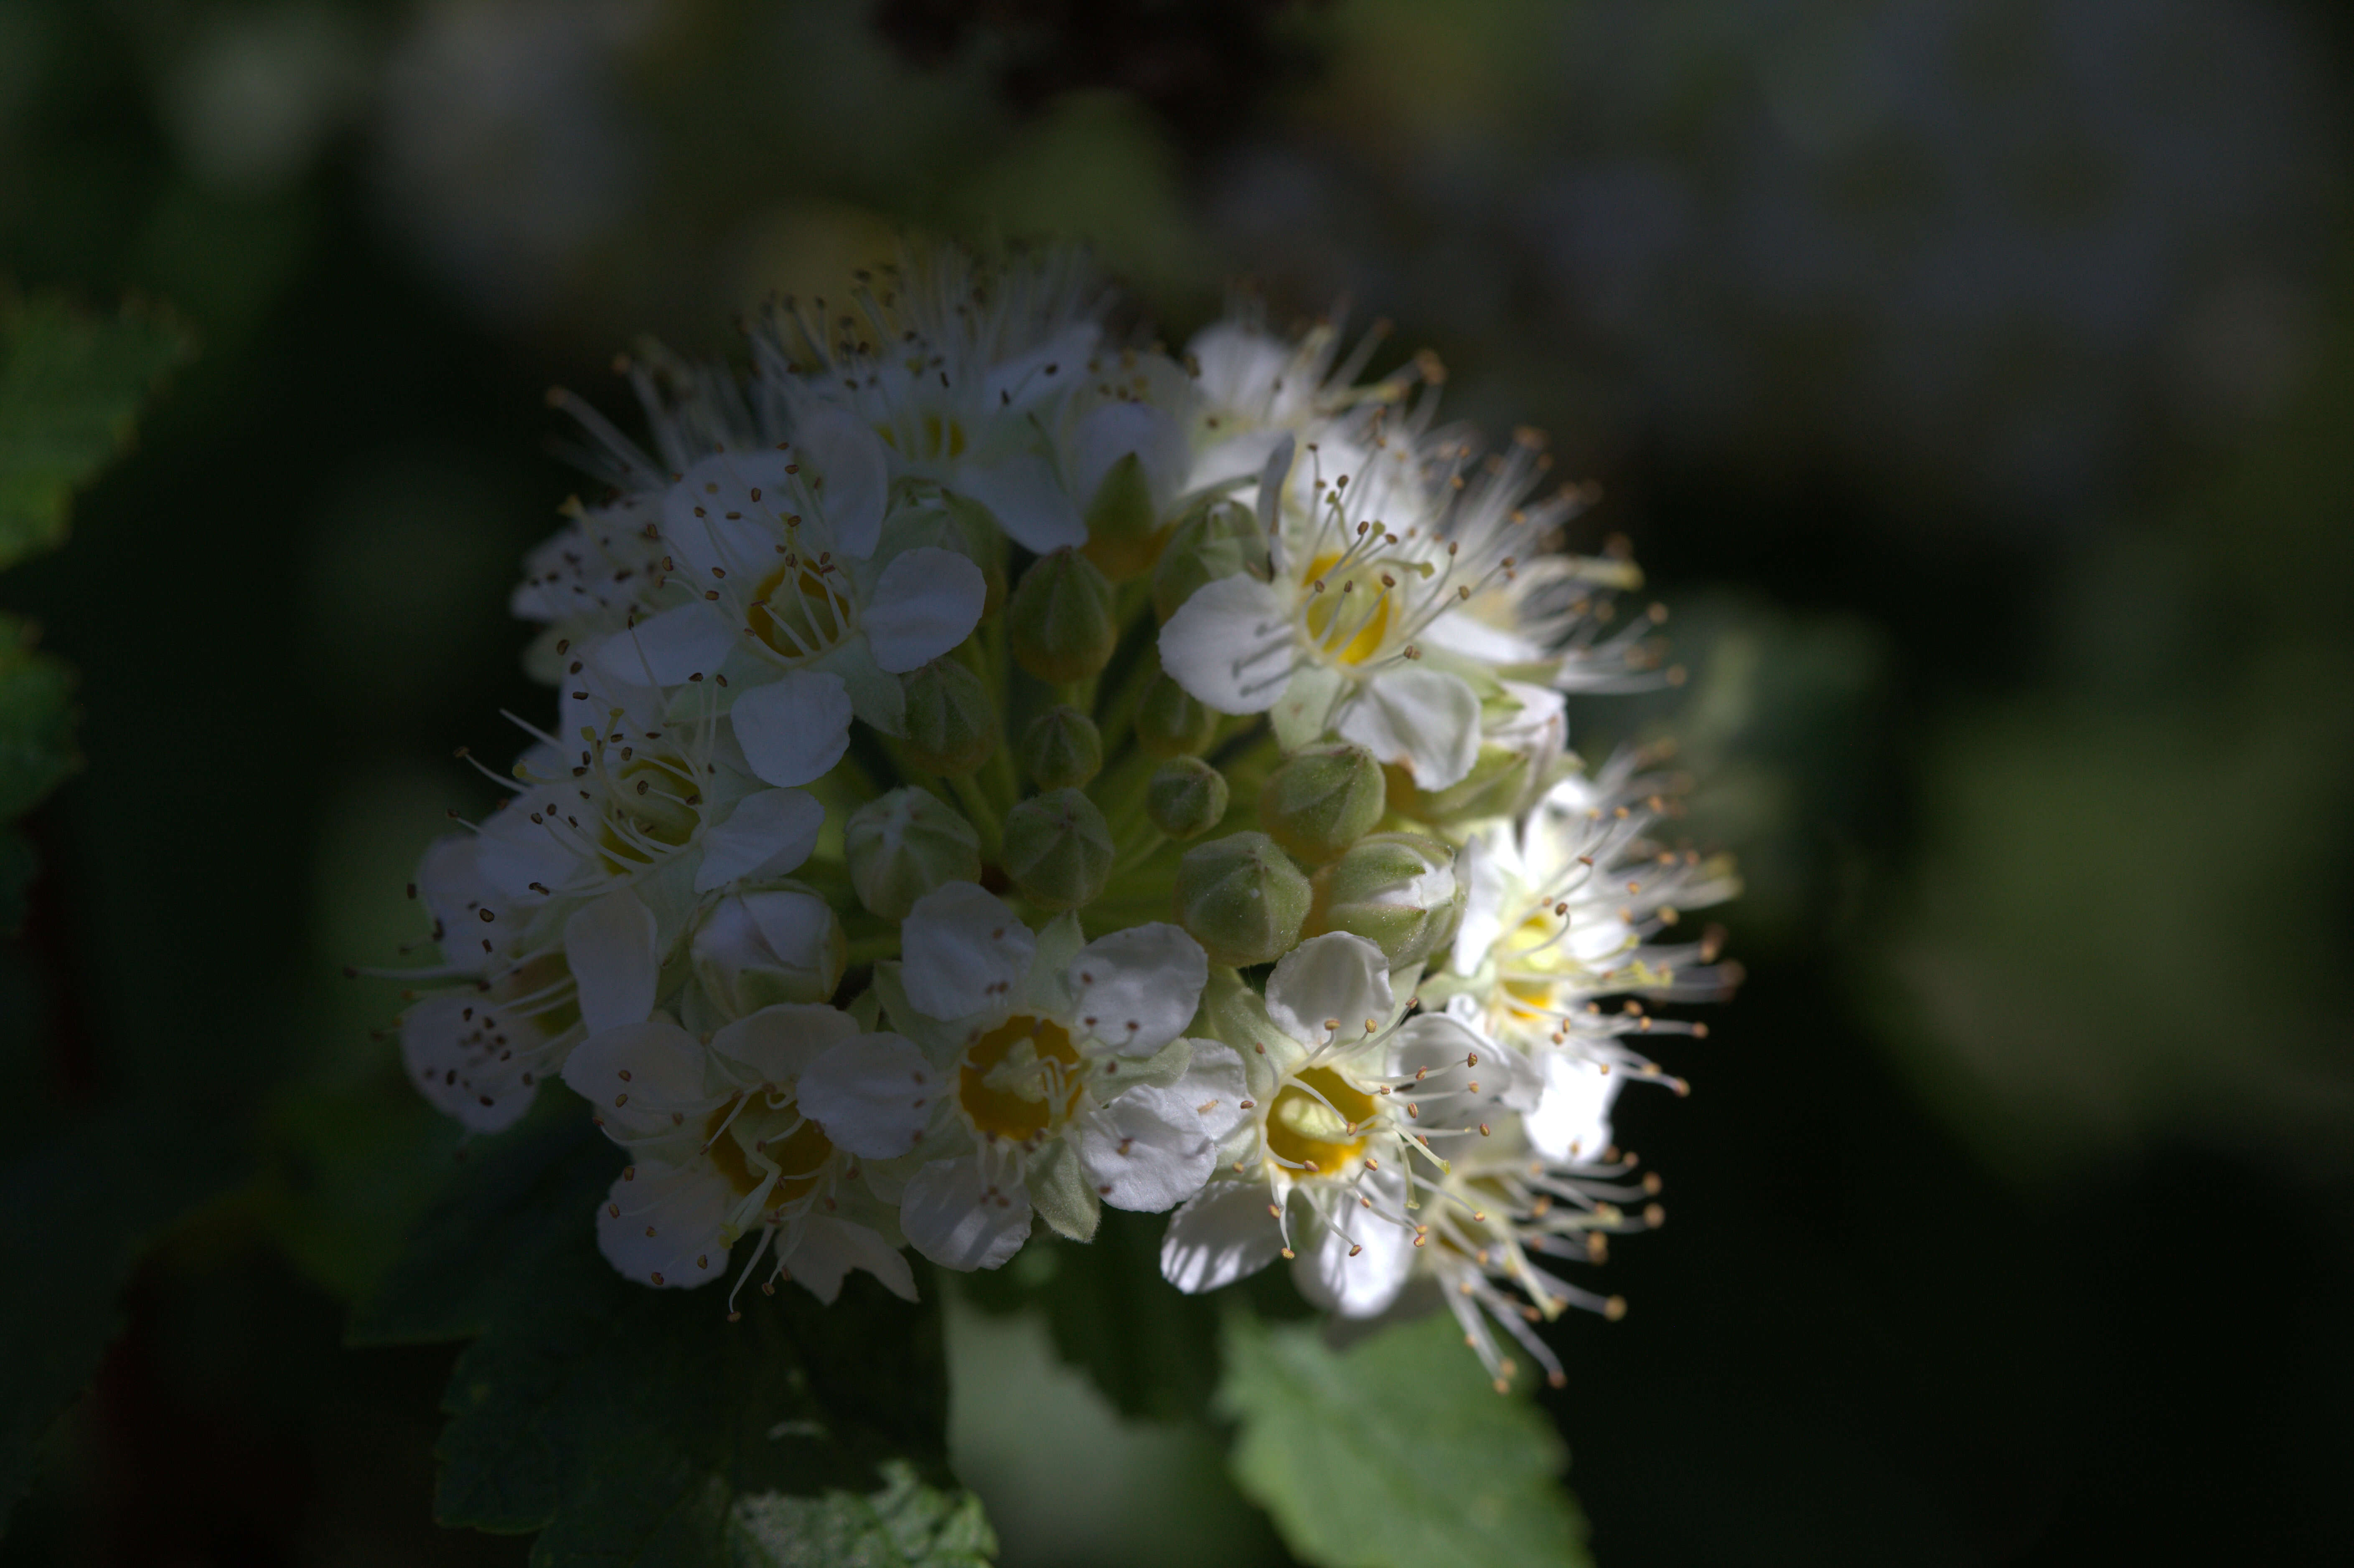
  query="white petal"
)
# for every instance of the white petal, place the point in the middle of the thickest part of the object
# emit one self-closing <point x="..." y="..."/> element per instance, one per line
<point x="828" y="1249"/>
<point x="872" y="1095"/>
<point x="665" y="649"/>
<point x="1136" y="990"/>
<point x="1485" y="866"/>
<point x="1299" y="717"/>
<point x="456" y="892"/>
<point x="1222" y="1234"/>
<point x="1230" y="645"/>
<point x="795" y="729"/>
<point x="608" y="945"/>
<point x="660" y="1223"/>
<point x="1120" y="428"/>
<point x="926" y="603"/>
<point x="1147" y="1151"/>
<point x="768" y="833"/>
<point x="1363" y="1285"/>
<point x="1028" y="502"/>
<point x="958" y="1220"/>
<point x="1327" y="988"/>
<point x="964" y="952"/>
<point x="1216" y="1085"/>
<point x="709" y="518"/>
<point x="1427" y="721"/>
<point x="646" y="1083"/>
<point x="517" y="852"/>
<point x="854" y="473"/>
<point x="776" y="1045"/>
<point x="452" y="1046"/>
<point x="1571" y="1122"/>
<point x="1055" y="365"/>
<point x="1270" y="498"/>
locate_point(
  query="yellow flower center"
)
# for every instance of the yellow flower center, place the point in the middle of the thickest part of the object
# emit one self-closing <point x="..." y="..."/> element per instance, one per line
<point x="655" y="802"/>
<point x="797" y="611"/>
<point x="931" y="436"/>
<point x="757" y="1141"/>
<point x="1318" y="1122"/>
<point x="1020" y="1079"/>
<point x="1356" y="608"/>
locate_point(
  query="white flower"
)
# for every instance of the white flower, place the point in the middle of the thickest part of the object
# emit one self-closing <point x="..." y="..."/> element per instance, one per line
<point x="785" y="602"/>
<point x="1333" y="642"/>
<point x="1563" y="909"/>
<point x="1073" y="1087"/>
<point x="1353" y="1113"/>
<point x="723" y="1145"/>
<point x="959" y="376"/>
<point x="478" y="1055"/>
<point x="1550" y="1190"/>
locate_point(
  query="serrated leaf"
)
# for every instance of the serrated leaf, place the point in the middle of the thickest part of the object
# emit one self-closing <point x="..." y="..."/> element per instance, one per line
<point x="637" y="1426"/>
<point x="905" y="1525"/>
<point x="36" y="749"/>
<point x="516" y="1193"/>
<point x="69" y="387"/>
<point x="1396" y="1453"/>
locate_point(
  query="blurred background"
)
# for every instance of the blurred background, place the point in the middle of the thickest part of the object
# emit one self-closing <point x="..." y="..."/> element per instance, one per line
<point x="1974" y="378"/>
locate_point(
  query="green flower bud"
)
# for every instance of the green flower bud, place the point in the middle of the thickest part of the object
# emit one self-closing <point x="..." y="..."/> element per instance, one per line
<point x="1062" y="623"/>
<point x="1242" y="900"/>
<point x="1398" y="891"/>
<point x="904" y="846"/>
<point x="1185" y="798"/>
<point x="951" y="728"/>
<point x="755" y="949"/>
<point x="1497" y="785"/>
<point x="1057" y="850"/>
<point x="1170" y="723"/>
<point x="1062" y="749"/>
<point x="949" y="521"/>
<point x="1320" y="801"/>
<point x="1123" y="535"/>
<point x="1215" y="541"/>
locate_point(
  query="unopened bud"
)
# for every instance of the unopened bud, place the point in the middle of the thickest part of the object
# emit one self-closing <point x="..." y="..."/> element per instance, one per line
<point x="1062" y="749"/>
<point x="1215" y="541"/>
<point x="1320" y="801"/>
<point x="1185" y="798"/>
<point x="904" y="844"/>
<point x="755" y="949"/>
<point x="1241" y="898"/>
<point x="1398" y="891"/>
<point x="1061" y="621"/>
<point x="1057" y="850"/>
<point x="1171" y="722"/>
<point x="949" y="521"/>
<point x="1123" y="535"/>
<point x="951" y="728"/>
<point x="1498" y="782"/>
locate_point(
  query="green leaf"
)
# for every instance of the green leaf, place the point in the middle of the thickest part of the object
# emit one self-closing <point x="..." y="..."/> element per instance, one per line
<point x="69" y="387"/>
<point x="1150" y="1348"/>
<point x="37" y="747"/>
<point x="517" y="1194"/>
<point x="637" y="1426"/>
<point x="1396" y="1453"/>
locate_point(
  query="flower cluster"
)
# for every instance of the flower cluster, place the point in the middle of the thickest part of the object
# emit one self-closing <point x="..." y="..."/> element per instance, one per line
<point x="997" y="770"/>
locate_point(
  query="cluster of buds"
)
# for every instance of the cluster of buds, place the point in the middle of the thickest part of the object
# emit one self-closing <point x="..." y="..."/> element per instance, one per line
<point x="997" y="771"/>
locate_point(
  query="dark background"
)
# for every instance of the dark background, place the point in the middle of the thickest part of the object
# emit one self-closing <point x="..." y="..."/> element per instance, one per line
<point x="1975" y="380"/>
